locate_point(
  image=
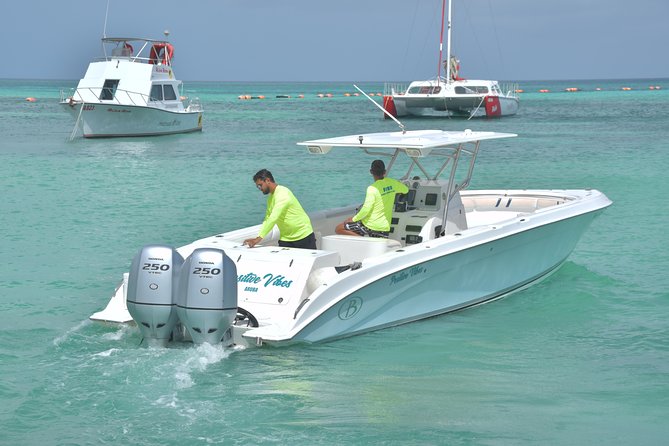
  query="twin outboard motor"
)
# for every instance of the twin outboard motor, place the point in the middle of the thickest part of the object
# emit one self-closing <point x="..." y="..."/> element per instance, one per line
<point x="151" y="283"/>
<point x="206" y="297"/>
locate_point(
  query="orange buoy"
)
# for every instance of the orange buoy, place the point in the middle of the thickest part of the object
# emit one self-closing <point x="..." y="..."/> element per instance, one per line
<point x="519" y="90"/>
<point x="543" y="91"/>
<point x="31" y="99"/>
<point x="347" y="94"/>
<point x="301" y="96"/>
<point x="626" y="88"/>
<point x="329" y="95"/>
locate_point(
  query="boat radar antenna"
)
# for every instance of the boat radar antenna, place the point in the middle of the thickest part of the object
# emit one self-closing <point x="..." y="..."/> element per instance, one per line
<point x="404" y="130"/>
<point x="166" y="32"/>
<point x="104" y="30"/>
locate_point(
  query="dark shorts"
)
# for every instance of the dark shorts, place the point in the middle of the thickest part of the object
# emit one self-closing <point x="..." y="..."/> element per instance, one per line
<point x="360" y="229"/>
<point x="308" y="242"/>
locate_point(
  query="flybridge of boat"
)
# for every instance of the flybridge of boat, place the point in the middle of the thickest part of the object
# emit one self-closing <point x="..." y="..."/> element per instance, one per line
<point x="161" y="51"/>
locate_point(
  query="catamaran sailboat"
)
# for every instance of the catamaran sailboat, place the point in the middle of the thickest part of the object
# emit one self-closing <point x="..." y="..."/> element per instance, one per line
<point x="132" y="91"/>
<point x="451" y="95"/>
<point x="449" y="248"/>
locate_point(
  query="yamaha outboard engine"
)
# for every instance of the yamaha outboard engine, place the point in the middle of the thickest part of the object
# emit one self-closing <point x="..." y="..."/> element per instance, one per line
<point x="207" y="296"/>
<point x="151" y="283"/>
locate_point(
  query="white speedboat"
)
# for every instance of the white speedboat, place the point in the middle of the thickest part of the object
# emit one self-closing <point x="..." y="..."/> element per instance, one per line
<point x="451" y="95"/>
<point x="449" y="248"/>
<point x="132" y="91"/>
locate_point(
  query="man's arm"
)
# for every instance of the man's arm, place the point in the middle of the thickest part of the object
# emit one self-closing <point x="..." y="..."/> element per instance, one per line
<point x="366" y="206"/>
<point x="281" y="200"/>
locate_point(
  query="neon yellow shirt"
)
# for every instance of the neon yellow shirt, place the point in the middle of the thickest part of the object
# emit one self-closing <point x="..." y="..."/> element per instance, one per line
<point x="285" y="211"/>
<point x="377" y="210"/>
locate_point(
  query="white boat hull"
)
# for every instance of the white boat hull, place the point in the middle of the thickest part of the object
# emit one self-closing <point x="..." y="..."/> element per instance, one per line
<point x="451" y="274"/>
<point x="132" y="91"/>
<point x="454" y="106"/>
<point x="98" y="120"/>
<point x="493" y="258"/>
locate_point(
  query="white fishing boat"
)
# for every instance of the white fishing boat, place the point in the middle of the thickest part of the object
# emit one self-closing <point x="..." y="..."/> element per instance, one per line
<point x="449" y="248"/>
<point x="451" y="95"/>
<point x="132" y="91"/>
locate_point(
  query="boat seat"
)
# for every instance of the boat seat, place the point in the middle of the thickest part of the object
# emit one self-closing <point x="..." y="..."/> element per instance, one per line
<point x="352" y="248"/>
<point x="430" y="229"/>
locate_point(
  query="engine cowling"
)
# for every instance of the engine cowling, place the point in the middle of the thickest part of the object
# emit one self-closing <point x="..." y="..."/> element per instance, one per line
<point x="207" y="296"/>
<point x="151" y="284"/>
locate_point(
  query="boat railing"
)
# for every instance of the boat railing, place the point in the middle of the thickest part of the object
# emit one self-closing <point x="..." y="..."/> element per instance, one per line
<point x="194" y="105"/>
<point x="393" y="88"/>
<point x="135" y="58"/>
<point x="509" y="89"/>
<point x="118" y="96"/>
<point x="92" y="96"/>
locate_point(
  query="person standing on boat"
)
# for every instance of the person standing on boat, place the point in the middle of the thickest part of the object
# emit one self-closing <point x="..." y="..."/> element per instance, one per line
<point x="373" y="218"/>
<point x="285" y="211"/>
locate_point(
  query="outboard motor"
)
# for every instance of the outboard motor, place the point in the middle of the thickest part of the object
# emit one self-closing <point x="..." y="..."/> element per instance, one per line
<point x="151" y="282"/>
<point x="207" y="296"/>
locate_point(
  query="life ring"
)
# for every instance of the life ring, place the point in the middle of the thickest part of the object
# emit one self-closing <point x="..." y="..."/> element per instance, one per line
<point x="161" y="53"/>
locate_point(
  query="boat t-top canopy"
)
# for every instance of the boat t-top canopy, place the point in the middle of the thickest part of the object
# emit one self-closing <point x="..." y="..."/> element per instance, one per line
<point x="131" y="39"/>
<point x="415" y="143"/>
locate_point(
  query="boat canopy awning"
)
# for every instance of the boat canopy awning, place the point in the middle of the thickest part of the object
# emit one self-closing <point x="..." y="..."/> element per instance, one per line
<point x="415" y="143"/>
<point x="130" y="39"/>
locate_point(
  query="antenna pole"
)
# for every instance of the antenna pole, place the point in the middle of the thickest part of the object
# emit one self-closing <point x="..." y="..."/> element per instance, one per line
<point x="104" y="32"/>
<point x="382" y="109"/>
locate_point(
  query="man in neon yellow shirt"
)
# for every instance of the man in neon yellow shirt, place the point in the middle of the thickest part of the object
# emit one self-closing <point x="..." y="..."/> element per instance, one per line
<point x="373" y="218"/>
<point x="285" y="211"/>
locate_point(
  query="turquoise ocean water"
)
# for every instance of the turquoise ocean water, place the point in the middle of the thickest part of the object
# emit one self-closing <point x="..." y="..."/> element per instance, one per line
<point x="581" y="358"/>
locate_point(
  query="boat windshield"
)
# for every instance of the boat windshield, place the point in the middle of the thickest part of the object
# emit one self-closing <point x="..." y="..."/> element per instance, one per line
<point x="163" y="92"/>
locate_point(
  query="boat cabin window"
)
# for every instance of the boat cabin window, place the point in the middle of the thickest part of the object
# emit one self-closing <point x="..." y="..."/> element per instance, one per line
<point x="109" y="89"/>
<point x="471" y="90"/>
<point x="424" y="90"/>
<point x="160" y="92"/>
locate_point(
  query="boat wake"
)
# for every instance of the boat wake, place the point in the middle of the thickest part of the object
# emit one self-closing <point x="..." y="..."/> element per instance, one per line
<point x="68" y="334"/>
<point x="199" y="359"/>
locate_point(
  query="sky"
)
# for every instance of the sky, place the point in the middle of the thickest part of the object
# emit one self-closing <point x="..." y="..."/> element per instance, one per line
<point x="346" y="40"/>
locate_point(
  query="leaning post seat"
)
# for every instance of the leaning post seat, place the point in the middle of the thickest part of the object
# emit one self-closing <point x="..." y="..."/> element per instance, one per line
<point x="352" y="248"/>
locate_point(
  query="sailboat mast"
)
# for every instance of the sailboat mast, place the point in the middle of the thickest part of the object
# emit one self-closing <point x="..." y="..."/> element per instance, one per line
<point x="441" y="40"/>
<point x="448" y="45"/>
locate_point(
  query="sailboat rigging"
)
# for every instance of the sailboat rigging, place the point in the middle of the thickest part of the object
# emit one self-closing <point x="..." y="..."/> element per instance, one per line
<point x="451" y="95"/>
